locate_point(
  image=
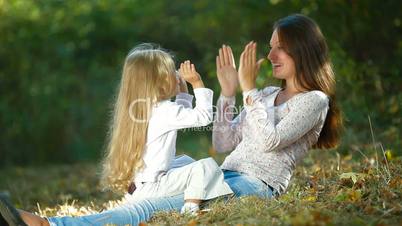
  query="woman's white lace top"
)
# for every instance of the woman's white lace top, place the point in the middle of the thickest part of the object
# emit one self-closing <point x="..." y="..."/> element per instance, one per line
<point x="265" y="140"/>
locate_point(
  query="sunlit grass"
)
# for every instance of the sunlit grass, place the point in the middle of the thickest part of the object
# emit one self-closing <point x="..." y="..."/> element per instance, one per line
<point x="327" y="189"/>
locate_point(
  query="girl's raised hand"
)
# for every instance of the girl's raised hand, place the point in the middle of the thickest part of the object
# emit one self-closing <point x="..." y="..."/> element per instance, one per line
<point x="226" y="71"/>
<point x="182" y="83"/>
<point x="249" y="67"/>
<point x="188" y="73"/>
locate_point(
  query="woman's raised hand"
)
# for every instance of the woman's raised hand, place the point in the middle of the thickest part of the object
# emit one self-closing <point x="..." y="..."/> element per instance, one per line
<point x="249" y="67"/>
<point x="187" y="72"/>
<point x="226" y="71"/>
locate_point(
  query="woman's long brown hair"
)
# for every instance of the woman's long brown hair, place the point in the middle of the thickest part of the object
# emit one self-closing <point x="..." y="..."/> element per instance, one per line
<point x="304" y="42"/>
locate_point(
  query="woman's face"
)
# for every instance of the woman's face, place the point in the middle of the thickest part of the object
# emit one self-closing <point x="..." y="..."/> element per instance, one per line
<point x="283" y="66"/>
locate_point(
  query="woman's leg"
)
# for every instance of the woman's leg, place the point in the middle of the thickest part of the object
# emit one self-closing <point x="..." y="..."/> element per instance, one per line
<point x="243" y="185"/>
<point x="127" y="214"/>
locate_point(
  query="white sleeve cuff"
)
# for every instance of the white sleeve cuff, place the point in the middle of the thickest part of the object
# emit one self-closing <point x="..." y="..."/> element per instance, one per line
<point x="184" y="96"/>
<point x="251" y="93"/>
<point x="203" y="96"/>
<point x="227" y="99"/>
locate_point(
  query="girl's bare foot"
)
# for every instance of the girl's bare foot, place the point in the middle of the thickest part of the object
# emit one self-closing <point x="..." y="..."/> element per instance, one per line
<point x="15" y="217"/>
<point x="32" y="219"/>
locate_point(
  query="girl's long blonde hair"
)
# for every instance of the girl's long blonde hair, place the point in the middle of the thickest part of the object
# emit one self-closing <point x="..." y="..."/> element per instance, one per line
<point x="148" y="77"/>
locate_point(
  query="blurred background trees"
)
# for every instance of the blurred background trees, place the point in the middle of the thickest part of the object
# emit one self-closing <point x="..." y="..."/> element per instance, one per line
<point x="60" y="61"/>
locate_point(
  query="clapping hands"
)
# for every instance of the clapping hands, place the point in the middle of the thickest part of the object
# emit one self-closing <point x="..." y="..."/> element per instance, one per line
<point x="226" y="71"/>
<point x="249" y="67"/>
<point x="228" y="77"/>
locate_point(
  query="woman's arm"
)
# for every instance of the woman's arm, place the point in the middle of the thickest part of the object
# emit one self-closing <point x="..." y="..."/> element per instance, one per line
<point x="304" y="113"/>
<point x="226" y="72"/>
<point x="226" y="133"/>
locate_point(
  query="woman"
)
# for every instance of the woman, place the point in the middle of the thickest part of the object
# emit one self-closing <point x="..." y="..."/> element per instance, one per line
<point x="276" y="129"/>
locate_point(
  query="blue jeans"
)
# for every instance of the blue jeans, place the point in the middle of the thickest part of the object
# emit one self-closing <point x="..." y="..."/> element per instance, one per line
<point x="133" y="214"/>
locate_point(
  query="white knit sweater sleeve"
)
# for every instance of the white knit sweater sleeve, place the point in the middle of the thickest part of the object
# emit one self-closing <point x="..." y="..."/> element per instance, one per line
<point x="226" y="133"/>
<point x="302" y="117"/>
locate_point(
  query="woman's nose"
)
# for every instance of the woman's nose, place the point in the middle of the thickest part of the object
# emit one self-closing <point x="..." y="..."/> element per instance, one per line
<point x="270" y="55"/>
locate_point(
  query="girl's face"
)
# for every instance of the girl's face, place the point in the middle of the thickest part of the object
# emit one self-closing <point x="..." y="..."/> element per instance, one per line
<point x="283" y="66"/>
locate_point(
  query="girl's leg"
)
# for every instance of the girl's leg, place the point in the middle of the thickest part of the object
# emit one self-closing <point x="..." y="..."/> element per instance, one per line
<point x="127" y="214"/>
<point x="200" y="180"/>
<point x="243" y="185"/>
<point x="205" y="181"/>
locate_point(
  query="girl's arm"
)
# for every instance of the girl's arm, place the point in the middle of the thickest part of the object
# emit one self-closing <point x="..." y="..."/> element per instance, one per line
<point x="182" y="115"/>
<point x="179" y="117"/>
<point x="184" y="99"/>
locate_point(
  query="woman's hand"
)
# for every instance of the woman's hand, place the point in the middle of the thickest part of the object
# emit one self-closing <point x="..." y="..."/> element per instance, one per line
<point x="226" y="71"/>
<point x="188" y="73"/>
<point x="249" y="68"/>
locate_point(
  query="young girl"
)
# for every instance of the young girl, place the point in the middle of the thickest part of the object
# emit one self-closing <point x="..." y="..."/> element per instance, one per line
<point x="141" y="149"/>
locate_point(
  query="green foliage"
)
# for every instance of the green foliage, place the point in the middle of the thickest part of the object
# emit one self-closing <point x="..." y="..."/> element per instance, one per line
<point x="60" y="62"/>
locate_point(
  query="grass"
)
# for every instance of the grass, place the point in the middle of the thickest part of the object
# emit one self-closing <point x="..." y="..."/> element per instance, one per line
<point x="362" y="188"/>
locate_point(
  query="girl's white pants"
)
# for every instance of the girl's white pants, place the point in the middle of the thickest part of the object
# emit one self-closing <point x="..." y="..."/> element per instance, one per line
<point x="202" y="179"/>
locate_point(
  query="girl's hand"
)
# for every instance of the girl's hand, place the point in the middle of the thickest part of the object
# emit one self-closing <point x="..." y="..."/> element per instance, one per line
<point x="226" y="71"/>
<point x="249" y="68"/>
<point x="182" y="83"/>
<point x="188" y="73"/>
